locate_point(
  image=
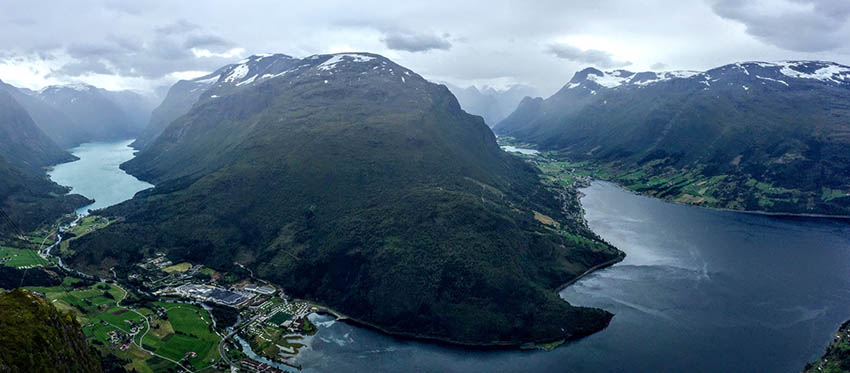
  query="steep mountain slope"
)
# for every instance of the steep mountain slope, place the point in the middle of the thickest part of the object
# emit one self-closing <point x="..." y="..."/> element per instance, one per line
<point x="353" y="181"/>
<point x="28" y="200"/>
<point x="136" y="107"/>
<point x="491" y="104"/>
<point x="64" y="131"/>
<point x="185" y="93"/>
<point x="103" y="114"/>
<point x="179" y="100"/>
<point x="27" y="197"/>
<point x="50" y="342"/>
<point x="21" y="142"/>
<point x="756" y="136"/>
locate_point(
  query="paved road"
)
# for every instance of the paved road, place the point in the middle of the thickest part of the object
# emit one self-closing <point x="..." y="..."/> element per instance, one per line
<point x="147" y="329"/>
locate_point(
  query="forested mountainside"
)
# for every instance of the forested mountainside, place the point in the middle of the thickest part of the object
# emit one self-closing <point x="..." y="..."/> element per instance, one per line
<point x="353" y="181"/>
<point x="35" y="337"/>
<point x="755" y="136"/>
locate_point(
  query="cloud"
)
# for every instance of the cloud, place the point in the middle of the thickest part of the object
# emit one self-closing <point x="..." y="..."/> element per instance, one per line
<point x="83" y="67"/>
<point x="589" y="56"/>
<point x="205" y="40"/>
<point x="143" y="43"/>
<point x="658" y="66"/>
<point x="177" y="46"/>
<point x="416" y="42"/>
<point x="796" y="25"/>
<point x="178" y="27"/>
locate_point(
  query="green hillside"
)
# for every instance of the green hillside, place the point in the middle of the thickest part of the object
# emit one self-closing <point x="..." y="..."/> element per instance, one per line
<point x="754" y="136"/>
<point x="353" y="181"/>
<point x="51" y="342"/>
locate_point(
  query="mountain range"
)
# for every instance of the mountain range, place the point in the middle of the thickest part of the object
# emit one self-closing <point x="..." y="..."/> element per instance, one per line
<point x="490" y="103"/>
<point x="99" y="113"/>
<point x="354" y="182"/>
<point x="78" y="113"/>
<point x="755" y="135"/>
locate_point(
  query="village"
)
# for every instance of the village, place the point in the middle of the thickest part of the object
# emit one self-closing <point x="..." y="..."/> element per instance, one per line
<point x="158" y="315"/>
<point x="271" y="323"/>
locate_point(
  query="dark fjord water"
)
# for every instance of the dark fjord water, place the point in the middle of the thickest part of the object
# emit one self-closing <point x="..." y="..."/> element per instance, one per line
<point x="96" y="174"/>
<point x="700" y="290"/>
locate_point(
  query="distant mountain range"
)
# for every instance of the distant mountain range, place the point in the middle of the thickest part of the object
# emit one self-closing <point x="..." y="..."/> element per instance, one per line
<point x="491" y="104"/>
<point x="73" y="114"/>
<point x="104" y="115"/>
<point x="754" y="135"/>
<point x="352" y="181"/>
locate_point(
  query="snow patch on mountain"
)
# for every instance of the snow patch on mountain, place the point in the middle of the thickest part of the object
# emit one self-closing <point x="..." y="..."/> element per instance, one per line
<point x="773" y="80"/>
<point x="247" y="81"/>
<point x="664" y="76"/>
<point x="331" y="63"/>
<point x="239" y="72"/>
<point x="826" y="72"/>
<point x="611" y="79"/>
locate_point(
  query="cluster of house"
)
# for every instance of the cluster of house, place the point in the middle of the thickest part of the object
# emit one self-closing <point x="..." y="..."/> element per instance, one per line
<point x="160" y="261"/>
<point x="120" y="339"/>
<point x="190" y="355"/>
<point x="214" y="294"/>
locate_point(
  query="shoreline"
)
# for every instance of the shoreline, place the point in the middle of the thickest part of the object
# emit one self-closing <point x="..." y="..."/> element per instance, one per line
<point x="752" y="212"/>
<point x="725" y="209"/>
<point x="498" y="345"/>
<point x="591" y="270"/>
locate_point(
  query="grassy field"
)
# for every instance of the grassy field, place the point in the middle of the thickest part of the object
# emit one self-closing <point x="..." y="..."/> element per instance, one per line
<point x="21" y="258"/>
<point x="279" y="318"/>
<point x="89" y="224"/>
<point x="188" y="329"/>
<point x="180" y="267"/>
<point x="85" y="226"/>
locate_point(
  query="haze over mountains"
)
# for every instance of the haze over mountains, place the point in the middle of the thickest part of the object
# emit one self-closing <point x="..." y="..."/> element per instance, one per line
<point x="355" y="182"/>
<point x="73" y="114"/>
<point x="27" y="198"/>
<point x="754" y="135"/>
<point x="490" y="103"/>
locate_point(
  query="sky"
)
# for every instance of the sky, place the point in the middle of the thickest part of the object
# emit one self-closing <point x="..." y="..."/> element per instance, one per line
<point x="147" y="45"/>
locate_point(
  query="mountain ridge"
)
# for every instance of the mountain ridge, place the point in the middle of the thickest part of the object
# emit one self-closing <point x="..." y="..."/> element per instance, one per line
<point x="353" y="181"/>
<point x="762" y="136"/>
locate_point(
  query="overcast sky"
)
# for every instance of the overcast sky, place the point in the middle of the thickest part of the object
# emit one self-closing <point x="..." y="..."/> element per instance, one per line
<point x="146" y="45"/>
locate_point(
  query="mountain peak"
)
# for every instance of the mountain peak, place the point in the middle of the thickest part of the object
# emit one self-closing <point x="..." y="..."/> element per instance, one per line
<point x="750" y="72"/>
<point x="261" y="56"/>
<point x="79" y="87"/>
<point x="824" y="71"/>
<point x="326" y="67"/>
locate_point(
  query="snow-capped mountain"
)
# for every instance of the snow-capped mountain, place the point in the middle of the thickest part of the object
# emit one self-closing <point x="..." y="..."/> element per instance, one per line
<point x="180" y="98"/>
<point x="784" y="124"/>
<point x="257" y="70"/>
<point x="103" y="114"/>
<point x="745" y="74"/>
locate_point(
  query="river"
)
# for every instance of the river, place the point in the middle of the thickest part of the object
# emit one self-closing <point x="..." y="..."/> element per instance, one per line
<point x="96" y="174"/>
<point x="700" y="290"/>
